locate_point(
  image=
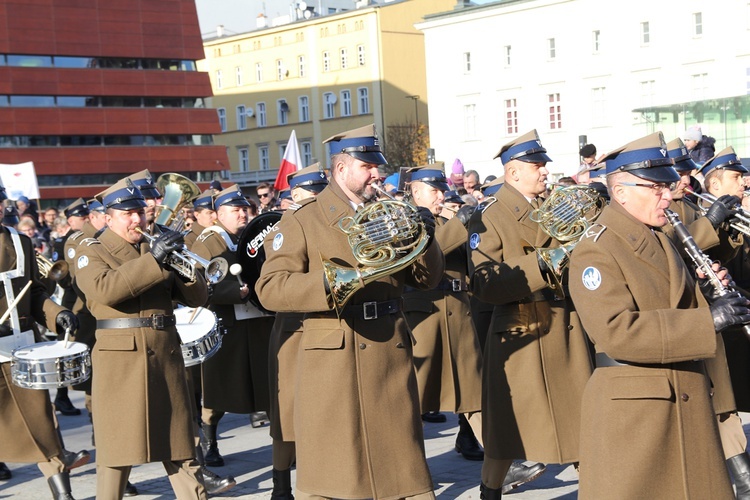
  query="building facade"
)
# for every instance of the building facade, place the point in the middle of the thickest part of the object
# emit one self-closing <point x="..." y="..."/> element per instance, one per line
<point x="92" y="93"/>
<point x="609" y="72"/>
<point x="318" y="76"/>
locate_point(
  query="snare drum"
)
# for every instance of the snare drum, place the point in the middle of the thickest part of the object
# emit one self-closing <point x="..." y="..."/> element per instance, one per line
<point x="50" y="365"/>
<point x="201" y="338"/>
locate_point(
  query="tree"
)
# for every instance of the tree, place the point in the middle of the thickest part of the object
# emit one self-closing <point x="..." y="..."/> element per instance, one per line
<point x="406" y="145"/>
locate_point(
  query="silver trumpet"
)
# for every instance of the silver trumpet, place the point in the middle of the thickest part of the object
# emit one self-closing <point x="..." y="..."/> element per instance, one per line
<point x="184" y="261"/>
<point x="741" y="220"/>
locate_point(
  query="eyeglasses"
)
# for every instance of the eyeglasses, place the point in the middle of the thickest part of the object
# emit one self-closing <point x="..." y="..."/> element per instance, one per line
<point x="263" y="195"/>
<point x="657" y="187"/>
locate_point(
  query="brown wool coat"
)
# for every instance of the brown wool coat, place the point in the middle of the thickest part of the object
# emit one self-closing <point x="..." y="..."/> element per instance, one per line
<point x="654" y="422"/>
<point x="141" y="407"/>
<point x="243" y="357"/>
<point x="192" y="235"/>
<point x="447" y="355"/>
<point x="536" y="357"/>
<point x="357" y="420"/>
<point x="286" y="336"/>
<point x="27" y="428"/>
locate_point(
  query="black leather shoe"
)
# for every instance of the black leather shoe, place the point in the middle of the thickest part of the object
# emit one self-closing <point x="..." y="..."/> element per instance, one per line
<point x="486" y="493"/>
<point x="466" y="443"/>
<point x="740" y="467"/>
<point x="258" y="418"/>
<point x="73" y="460"/>
<point x="130" y="490"/>
<point x="216" y="484"/>
<point x="519" y="474"/>
<point x="212" y="455"/>
<point x="434" y="417"/>
<point x="282" y="485"/>
<point x="64" y="405"/>
<point x="5" y="473"/>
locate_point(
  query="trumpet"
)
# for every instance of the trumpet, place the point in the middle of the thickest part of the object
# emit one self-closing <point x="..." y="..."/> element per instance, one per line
<point x="742" y="216"/>
<point x="184" y="261"/>
<point x="56" y="271"/>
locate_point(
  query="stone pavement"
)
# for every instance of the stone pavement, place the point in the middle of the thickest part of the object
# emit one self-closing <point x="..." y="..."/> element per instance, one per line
<point x="247" y="453"/>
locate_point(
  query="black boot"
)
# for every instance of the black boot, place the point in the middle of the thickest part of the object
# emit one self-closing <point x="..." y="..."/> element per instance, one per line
<point x="486" y="493"/>
<point x="60" y="486"/>
<point x="91" y="421"/>
<point x="740" y="467"/>
<point x="216" y="484"/>
<point x="63" y="403"/>
<point x="73" y="460"/>
<point x="282" y="485"/>
<point x="5" y="473"/>
<point x="213" y="457"/>
<point x="258" y="418"/>
<point x="130" y="490"/>
<point x="519" y="474"/>
<point x="434" y="417"/>
<point x="466" y="443"/>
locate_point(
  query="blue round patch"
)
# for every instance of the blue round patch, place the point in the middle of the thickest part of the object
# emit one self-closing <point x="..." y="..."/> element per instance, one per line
<point x="591" y="278"/>
<point x="474" y="240"/>
<point x="278" y="240"/>
<point x="54" y="256"/>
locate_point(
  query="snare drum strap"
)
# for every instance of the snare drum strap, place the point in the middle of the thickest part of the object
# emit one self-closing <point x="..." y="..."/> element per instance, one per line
<point x="232" y="246"/>
<point x="7" y="276"/>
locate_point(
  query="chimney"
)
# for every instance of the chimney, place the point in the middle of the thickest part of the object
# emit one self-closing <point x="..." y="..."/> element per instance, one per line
<point x="462" y="4"/>
<point x="260" y="21"/>
<point x="220" y="31"/>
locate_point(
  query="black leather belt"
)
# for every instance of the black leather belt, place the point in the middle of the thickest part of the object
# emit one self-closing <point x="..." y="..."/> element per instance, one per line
<point x="372" y="310"/>
<point x="155" y="321"/>
<point x="454" y="285"/>
<point x="543" y="295"/>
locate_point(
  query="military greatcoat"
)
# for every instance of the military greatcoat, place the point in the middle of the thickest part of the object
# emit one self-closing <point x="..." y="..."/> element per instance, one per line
<point x="536" y="358"/>
<point x="286" y="336"/>
<point x="235" y="379"/>
<point x="142" y="409"/>
<point x="447" y="354"/>
<point x="192" y="235"/>
<point x="27" y="428"/>
<point x="357" y="420"/>
<point x="652" y="419"/>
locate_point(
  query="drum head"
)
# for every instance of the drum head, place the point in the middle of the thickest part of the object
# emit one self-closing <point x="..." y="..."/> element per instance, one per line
<point x="250" y="253"/>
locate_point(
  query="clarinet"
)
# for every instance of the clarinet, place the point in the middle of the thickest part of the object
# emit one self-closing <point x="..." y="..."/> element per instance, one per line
<point x="701" y="260"/>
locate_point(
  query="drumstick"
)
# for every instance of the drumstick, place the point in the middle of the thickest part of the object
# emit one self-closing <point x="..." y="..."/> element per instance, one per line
<point x="15" y="302"/>
<point x="192" y="316"/>
<point x="67" y="337"/>
<point x="236" y="269"/>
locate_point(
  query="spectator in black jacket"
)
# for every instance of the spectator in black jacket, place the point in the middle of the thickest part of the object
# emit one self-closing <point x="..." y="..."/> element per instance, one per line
<point x="701" y="147"/>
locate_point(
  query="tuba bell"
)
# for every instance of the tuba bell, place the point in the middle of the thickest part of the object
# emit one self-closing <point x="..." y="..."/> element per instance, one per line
<point x="56" y="271"/>
<point x="178" y="191"/>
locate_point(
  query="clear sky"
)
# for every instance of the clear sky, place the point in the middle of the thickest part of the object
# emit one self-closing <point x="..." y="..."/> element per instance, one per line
<point x="238" y="16"/>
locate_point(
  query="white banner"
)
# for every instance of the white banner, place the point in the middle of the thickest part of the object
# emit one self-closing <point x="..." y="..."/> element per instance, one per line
<point x="20" y="180"/>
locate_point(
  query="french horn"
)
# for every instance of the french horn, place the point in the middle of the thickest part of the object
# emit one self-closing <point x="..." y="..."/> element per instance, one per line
<point x="56" y="271"/>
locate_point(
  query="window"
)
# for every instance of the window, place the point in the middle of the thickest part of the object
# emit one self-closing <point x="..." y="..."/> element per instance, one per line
<point x="699" y="86"/>
<point x="511" y="117"/>
<point x="507" y="55"/>
<point x="238" y="75"/>
<point x="306" y="150"/>
<point x="466" y="63"/>
<point x="346" y="103"/>
<point x="282" y="111"/>
<point x="595" y="41"/>
<point x="363" y="96"/>
<point x="261" y="115"/>
<point x="241" y="117"/>
<point x="361" y="55"/>
<point x="303" y="103"/>
<point x="301" y="66"/>
<point x="328" y="102"/>
<point x="647" y="90"/>
<point x="219" y="79"/>
<point x="244" y="159"/>
<point x="344" y="56"/>
<point x="326" y="61"/>
<point x="259" y="72"/>
<point x="280" y="71"/>
<point x="698" y="23"/>
<point x="555" y="111"/>
<point x="645" y="34"/>
<point x="551" y="48"/>
<point x="263" y="161"/>
<point x="470" y="121"/>
<point x="599" y="106"/>
<point x="222" y="119"/>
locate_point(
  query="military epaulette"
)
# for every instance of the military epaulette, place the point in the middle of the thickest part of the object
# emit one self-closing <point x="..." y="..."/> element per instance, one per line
<point x="594" y="231"/>
<point x="302" y="204"/>
<point x="76" y="235"/>
<point x="485" y="204"/>
<point x="90" y="241"/>
<point x="205" y="235"/>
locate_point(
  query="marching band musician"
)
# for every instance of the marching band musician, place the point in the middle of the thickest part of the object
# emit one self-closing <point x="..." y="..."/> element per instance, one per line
<point x="142" y="408"/>
<point x="205" y="216"/>
<point x="536" y="359"/>
<point x="243" y="357"/>
<point x="282" y="362"/>
<point x="145" y="183"/>
<point x="27" y="427"/>
<point x="357" y="421"/>
<point x="652" y="328"/>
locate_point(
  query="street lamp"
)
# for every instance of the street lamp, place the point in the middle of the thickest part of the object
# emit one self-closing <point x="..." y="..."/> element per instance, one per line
<point x="416" y="109"/>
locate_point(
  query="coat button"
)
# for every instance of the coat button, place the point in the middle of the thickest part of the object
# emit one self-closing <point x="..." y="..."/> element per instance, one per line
<point x="362" y="345"/>
<point x="685" y="397"/>
<point x="150" y="352"/>
<point x="400" y="345"/>
<point x="570" y="327"/>
<point x="450" y="313"/>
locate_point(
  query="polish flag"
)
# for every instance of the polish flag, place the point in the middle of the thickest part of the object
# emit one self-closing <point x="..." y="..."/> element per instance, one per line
<point x="291" y="162"/>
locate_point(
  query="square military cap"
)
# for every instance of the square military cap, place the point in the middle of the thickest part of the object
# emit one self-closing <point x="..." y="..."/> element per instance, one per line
<point x="95" y="206"/>
<point x="526" y="148"/>
<point x="204" y="201"/>
<point x="231" y="196"/>
<point x="145" y="183"/>
<point x="361" y="143"/>
<point x="310" y="178"/>
<point x="680" y="155"/>
<point x="78" y="208"/>
<point x="645" y="158"/>
<point x="10" y="215"/>
<point x="123" y="195"/>
<point x="490" y="188"/>
<point x="452" y="196"/>
<point x="432" y="174"/>
<point x="726" y="159"/>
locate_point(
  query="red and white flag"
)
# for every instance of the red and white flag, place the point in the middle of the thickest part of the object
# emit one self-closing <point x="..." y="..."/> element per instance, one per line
<point x="291" y="162"/>
<point x="20" y="180"/>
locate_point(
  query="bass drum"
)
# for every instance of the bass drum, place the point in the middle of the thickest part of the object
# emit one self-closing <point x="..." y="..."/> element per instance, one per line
<point x="250" y="252"/>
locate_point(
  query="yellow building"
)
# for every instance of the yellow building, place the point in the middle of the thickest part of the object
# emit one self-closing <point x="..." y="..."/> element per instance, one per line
<point x="318" y="76"/>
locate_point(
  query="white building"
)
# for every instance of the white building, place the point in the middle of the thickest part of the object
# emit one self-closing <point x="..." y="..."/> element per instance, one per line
<point x="611" y="71"/>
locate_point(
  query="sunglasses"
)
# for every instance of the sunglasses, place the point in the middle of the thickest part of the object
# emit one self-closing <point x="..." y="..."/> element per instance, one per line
<point x="264" y="195"/>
